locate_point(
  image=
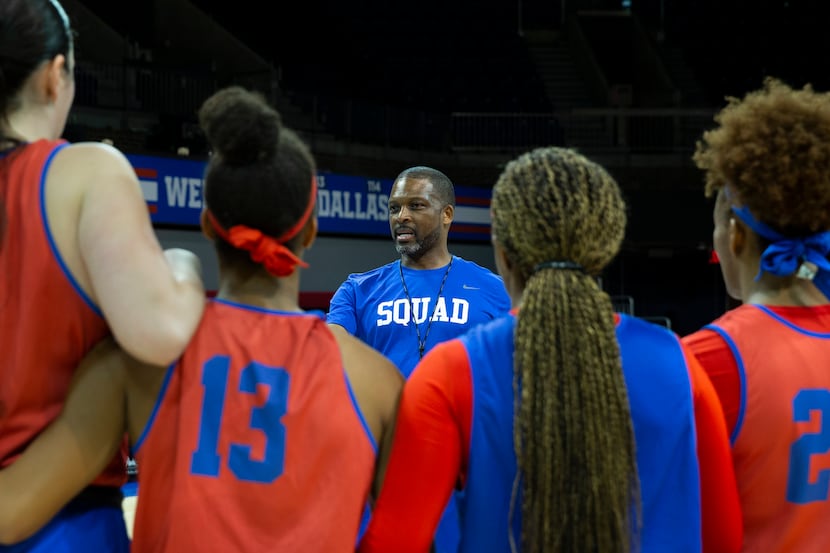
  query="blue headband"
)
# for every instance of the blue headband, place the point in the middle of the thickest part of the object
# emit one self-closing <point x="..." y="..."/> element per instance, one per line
<point x="804" y="257"/>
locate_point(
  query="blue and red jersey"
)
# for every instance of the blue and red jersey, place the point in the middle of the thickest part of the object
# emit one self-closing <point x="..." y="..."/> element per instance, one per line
<point x="455" y="428"/>
<point x="256" y="442"/>
<point x="47" y="322"/>
<point x="769" y="367"/>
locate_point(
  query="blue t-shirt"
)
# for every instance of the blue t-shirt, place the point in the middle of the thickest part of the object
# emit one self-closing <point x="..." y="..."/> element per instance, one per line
<point x="396" y="310"/>
<point x="374" y="306"/>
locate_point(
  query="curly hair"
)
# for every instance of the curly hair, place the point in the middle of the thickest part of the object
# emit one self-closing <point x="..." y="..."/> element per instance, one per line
<point x="772" y="149"/>
<point x="573" y="423"/>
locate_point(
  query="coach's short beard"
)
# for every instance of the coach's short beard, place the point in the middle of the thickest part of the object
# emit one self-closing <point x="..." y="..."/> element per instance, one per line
<point x="420" y="247"/>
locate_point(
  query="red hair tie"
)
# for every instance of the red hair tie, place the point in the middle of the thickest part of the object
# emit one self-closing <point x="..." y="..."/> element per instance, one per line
<point x="276" y="258"/>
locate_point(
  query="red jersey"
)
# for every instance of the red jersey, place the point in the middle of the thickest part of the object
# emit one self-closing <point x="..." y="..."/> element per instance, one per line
<point x="47" y="323"/>
<point x="256" y="443"/>
<point x="777" y="358"/>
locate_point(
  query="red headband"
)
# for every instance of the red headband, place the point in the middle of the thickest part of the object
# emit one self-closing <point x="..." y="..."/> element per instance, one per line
<point x="269" y="251"/>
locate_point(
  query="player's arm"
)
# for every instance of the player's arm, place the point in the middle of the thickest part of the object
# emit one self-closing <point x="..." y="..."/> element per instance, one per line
<point x="376" y="383"/>
<point x="143" y="386"/>
<point x="152" y="299"/>
<point x="71" y="452"/>
<point x="428" y="454"/>
<point x="388" y="396"/>
<point x="720" y="502"/>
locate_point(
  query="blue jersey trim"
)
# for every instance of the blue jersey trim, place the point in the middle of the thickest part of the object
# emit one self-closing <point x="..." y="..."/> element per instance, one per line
<point x="360" y="413"/>
<point x="50" y="238"/>
<point x="156" y="407"/>
<point x="231" y="303"/>
<point x="741" y="373"/>
<point x="785" y="322"/>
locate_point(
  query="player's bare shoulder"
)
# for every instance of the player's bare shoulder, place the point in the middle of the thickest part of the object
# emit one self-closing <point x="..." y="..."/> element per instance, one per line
<point x="364" y="362"/>
<point x="376" y="381"/>
<point x="91" y="160"/>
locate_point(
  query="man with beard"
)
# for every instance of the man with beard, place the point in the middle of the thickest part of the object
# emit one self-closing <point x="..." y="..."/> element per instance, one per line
<point x="404" y="308"/>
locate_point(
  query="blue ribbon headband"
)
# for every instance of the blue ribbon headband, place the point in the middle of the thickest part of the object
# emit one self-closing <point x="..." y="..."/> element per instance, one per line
<point x="804" y="257"/>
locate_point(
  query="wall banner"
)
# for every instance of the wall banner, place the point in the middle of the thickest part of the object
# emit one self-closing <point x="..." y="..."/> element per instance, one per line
<point x="346" y="205"/>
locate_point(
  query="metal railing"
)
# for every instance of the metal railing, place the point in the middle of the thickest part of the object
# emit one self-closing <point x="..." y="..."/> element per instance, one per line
<point x="623" y="304"/>
<point x="173" y="93"/>
<point x="136" y="87"/>
<point x="595" y="130"/>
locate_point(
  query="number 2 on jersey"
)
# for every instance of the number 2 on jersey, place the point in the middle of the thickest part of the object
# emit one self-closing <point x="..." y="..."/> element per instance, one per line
<point x="267" y="418"/>
<point x="799" y="487"/>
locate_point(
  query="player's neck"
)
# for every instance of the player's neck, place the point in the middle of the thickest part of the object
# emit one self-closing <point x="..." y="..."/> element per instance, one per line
<point x="791" y="292"/>
<point x="26" y="127"/>
<point x="264" y="291"/>
<point x="433" y="259"/>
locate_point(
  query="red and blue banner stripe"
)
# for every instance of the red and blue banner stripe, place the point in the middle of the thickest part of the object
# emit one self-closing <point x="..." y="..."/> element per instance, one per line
<point x="346" y="204"/>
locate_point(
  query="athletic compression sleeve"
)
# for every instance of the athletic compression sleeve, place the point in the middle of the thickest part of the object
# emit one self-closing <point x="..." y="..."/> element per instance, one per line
<point x="720" y="366"/>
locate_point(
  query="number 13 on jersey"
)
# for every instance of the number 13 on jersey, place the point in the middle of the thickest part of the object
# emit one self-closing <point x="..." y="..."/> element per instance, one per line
<point x="206" y="460"/>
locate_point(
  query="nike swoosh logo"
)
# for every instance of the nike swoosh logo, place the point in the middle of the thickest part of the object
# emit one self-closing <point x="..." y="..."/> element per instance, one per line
<point x="467" y="287"/>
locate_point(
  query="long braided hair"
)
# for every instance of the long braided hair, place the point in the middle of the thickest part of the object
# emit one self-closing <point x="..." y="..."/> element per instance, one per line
<point x="573" y="434"/>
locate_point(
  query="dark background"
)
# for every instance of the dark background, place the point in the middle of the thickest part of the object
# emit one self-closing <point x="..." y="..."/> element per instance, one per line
<point x="730" y="43"/>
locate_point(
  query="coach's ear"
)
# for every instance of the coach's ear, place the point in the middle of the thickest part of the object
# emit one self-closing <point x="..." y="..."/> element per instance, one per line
<point x="447" y="214"/>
